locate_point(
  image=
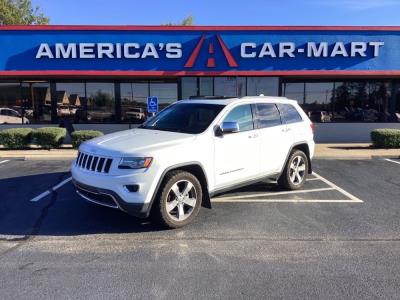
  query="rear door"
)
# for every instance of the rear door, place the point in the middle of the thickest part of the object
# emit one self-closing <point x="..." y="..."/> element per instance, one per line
<point x="275" y="138"/>
<point x="294" y="122"/>
<point x="236" y="154"/>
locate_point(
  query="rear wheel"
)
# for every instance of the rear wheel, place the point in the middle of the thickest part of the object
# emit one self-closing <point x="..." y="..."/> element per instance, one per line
<point x="294" y="175"/>
<point x="179" y="199"/>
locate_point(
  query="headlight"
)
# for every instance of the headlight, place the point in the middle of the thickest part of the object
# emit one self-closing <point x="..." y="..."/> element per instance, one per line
<point x="135" y="162"/>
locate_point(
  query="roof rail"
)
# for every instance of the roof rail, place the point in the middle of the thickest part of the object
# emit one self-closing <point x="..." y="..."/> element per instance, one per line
<point x="211" y="97"/>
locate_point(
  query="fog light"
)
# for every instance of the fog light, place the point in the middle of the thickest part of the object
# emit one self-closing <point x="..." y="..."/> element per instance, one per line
<point x="133" y="188"/>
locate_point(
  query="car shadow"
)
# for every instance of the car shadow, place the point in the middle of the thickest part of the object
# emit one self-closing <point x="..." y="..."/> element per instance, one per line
<point x="61" y="213"/>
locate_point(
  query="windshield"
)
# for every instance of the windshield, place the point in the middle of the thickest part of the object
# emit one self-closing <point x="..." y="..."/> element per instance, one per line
<point x="187" y="118"/>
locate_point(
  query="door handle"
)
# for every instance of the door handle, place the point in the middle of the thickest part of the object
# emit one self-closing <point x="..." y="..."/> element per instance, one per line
<point x="286" y="129"/>
<point x="253" y="136"/>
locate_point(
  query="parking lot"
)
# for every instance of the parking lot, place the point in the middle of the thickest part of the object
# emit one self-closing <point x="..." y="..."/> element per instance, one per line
<point x="338" y="237"/>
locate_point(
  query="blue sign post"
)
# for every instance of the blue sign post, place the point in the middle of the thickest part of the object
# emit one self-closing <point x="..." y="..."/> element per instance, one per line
<point x="152" y="104"/>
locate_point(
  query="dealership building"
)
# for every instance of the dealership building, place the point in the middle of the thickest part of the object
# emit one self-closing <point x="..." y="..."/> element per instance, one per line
<point x="99" y="77"/>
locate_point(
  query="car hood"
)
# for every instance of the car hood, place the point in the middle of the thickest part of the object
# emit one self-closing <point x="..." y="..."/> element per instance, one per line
<point x="135" y="141"/>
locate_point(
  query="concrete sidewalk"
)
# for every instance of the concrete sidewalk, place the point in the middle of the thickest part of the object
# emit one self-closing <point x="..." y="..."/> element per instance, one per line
<point x="322" y="151"/>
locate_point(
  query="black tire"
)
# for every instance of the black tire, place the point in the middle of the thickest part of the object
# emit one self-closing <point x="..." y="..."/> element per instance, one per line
<point x="159" y="211"/>
<point x="286" y="178"/>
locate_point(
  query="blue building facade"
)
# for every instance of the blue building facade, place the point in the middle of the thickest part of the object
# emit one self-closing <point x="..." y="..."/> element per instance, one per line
<point x="104" y="74"/>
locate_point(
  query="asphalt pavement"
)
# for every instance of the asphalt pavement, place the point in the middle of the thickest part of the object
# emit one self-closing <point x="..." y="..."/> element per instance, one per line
<point x="339" y="237"/>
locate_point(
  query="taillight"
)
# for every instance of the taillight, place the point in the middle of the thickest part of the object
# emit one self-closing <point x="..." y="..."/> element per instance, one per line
<point x="312" y="125"/>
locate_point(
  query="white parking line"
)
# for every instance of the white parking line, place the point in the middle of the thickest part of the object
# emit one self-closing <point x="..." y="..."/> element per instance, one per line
<point x="253" y="198"/>
<point x="4" y="161"/>
<point x="229" y="200"/>
<point x="312" y="179"/>
<point x="276" y="193"/>
<point x="331" y="184"/>
<point x="393" y="161"/>
<point x="49" y="191"/>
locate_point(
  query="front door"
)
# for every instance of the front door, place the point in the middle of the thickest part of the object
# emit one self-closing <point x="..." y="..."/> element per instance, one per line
<point x="236" y="154"/>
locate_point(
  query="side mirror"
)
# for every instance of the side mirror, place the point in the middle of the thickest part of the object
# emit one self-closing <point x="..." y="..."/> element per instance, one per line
<point x="230" y="127"/>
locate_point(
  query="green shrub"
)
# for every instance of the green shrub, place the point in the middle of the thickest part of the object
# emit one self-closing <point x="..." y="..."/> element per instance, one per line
<point x="80" y="136"/>
<point x="49" y="137"/>
<point x="16" y="138"/>
<point x="386" y="138"/>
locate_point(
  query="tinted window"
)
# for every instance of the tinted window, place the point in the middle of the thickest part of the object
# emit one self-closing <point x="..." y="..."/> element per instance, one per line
<point x="267" y="115"/>
<point x="289" y="113"/>
<point x="186" y="118"/>
<point x="243" y="116"/>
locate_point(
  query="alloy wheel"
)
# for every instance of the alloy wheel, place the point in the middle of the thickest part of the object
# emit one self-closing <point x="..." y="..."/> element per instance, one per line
<point x="181" y="200"/>
<point x="297" y="170"/>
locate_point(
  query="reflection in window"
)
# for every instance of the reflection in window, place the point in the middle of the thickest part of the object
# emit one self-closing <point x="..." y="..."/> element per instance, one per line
<point x="294" y="90"/>
<point x="347" y="101"/>
<point x="11" y="104"/>
<point x="189" y="87"/>
<point x="225" y="86"/>
<point x="36" y="101"/>
<point x="395" y="117"/>
<point x="269" y="86"/>
<point x="134" y="101"/>
<point x="318" y="100"/>
<point x="362" y="101"/>
<point x="100" y="102"/>
<point x="167" y="93"/>
<point x="242" y="115"/>
<point x="206" y="86"/>
<point x="289" y="114"/>
<point x="71" y="101"/>
<point x="267" y="115"/>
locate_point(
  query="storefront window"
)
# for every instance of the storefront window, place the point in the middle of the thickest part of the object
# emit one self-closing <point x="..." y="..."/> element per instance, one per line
<point x="134" y="101"/>
<point x="317" y="101"/>
<point x="100" y="102"/>
<point x="167" y="93"/>
<point x="36" y="101"/>
<point x="294" y="90"/>
<point x="362" y="101"/>
<point x="189" y="87"/>
<point x="71" y="101"/>
<point x="11" y="104"/>
<point x="395" y="116"/>
<point x="347" y="101"/>
<point x="269" y="86"/>
<point x="206" y="86"/>
<point x="225" y="86"/>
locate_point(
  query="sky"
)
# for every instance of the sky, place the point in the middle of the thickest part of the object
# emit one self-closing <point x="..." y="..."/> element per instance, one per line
<point x="222" y="12"/>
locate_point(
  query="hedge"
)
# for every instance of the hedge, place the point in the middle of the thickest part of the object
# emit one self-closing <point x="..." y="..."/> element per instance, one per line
<point x="49" y="137"/>
<point x="16" y="138"/>
<point x="80" y="136"/>
<point x="386" y="138"/>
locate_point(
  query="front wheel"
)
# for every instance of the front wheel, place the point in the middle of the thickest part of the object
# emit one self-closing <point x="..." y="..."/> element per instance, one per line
<point x="179" y="199"/>
<point x="295" y="172"/>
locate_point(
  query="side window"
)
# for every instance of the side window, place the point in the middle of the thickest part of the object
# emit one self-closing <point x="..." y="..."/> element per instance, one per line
<point x="289" y="114"/>
<point x="2" y="112"/>
<point x="14" y="113"/>
<point x="267" y="115"/>
<point x="243" y="116"/>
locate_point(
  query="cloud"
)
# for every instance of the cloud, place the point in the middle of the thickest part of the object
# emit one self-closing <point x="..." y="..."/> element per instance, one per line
<point x="360" y="4"/>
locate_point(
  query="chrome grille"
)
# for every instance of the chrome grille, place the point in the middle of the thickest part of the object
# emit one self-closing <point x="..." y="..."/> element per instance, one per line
<point x="93" y="163"/>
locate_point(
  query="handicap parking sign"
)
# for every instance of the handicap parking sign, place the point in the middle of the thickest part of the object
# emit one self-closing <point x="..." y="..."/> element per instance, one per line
<point x="152" y="104"/>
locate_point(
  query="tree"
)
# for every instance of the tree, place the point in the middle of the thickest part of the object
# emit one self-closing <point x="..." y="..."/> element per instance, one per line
<point x="188" y="21"/>
<point x="21" y="12"/>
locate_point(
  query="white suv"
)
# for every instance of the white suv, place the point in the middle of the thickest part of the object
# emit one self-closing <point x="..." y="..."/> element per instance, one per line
<point x="171" y="165"/>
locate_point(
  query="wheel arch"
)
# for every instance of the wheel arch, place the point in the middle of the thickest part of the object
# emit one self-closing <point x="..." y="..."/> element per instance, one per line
<point x="303" y="146"/>
<point x="195" y="168"/>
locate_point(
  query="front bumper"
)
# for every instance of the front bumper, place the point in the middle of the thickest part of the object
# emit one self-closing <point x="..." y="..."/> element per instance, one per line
<point x="111" y="199"/>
